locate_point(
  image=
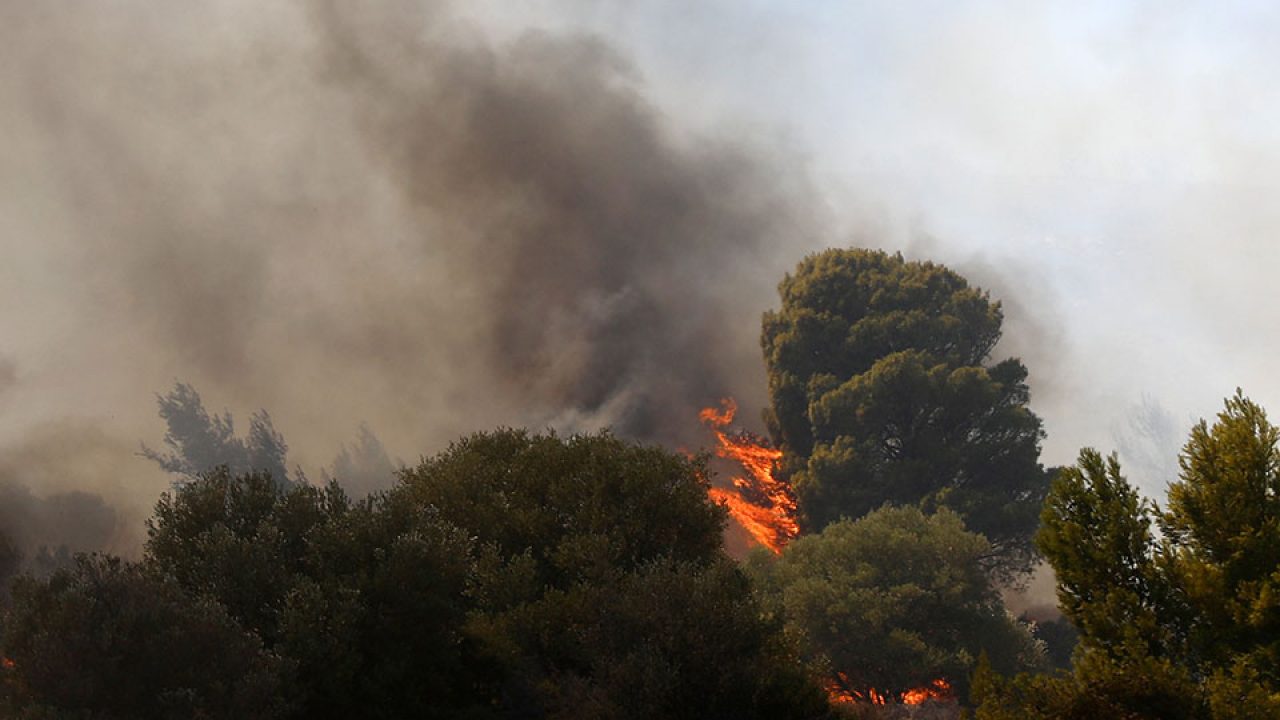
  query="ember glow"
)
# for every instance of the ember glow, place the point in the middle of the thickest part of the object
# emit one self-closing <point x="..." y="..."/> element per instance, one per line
<point x="838" y="691"/>
<point x="762" y="504"/>
<point x="937" y="690"/>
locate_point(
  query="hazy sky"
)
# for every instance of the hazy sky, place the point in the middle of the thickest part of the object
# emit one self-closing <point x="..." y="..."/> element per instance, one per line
<point x="1108" y="168"/>
<point x="235" y="195"/>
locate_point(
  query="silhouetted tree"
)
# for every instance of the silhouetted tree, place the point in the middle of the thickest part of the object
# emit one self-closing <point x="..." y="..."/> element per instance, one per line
<point x="199" y="442"/>
<point x="364" y="466"/>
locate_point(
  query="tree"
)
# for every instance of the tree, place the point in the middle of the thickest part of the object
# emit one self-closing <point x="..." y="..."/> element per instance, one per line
<point x="893" y="601"/>
<point x="1188" y="621"/>
<point x="881" y="392"/>
<point x="512" y="575"/>
<point x="573" y="508"/>
<point x="242" y="540"/>
<point x="199" y="442"/>
<point x="1222" y="540"/>
<point x="112" y="640"/>
<point x="1097" y="534"/>
<point x="367" y="601"/>
<point x="670" y="640"/>
<point x="364" y="466"/>
<point x="601" y="589"/>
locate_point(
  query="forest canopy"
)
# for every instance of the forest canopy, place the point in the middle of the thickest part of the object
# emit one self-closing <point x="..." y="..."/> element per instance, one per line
<point x="512" y="575"/>
<point x="538" y="575"/>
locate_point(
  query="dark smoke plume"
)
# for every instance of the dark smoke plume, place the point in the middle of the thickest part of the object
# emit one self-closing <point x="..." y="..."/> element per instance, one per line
<point x="613" y="267"/>
<point x="342" y="212"/>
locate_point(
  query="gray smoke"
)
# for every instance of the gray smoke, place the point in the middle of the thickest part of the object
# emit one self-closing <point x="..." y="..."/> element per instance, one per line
<point x="73" y="484"/>
<point x="612" y="269"/>
<point x="339" y="213"/>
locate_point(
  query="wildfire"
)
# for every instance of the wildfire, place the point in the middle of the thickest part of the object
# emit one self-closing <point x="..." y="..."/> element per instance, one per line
<point x="762" y="504"/>
<point x="937" y="690"/>
<point x="839" y="692"/>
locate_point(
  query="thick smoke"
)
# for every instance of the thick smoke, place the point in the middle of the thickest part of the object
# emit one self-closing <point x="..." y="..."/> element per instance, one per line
<point x="345" y="213"/>
<point x="612" y="268"/>
<point x="72" y="486"/>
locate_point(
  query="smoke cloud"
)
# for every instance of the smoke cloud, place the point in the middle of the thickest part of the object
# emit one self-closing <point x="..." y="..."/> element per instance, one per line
<point x="435" y="218"/>
<point x="381" y="214"/>
<point x="73" y="484"/>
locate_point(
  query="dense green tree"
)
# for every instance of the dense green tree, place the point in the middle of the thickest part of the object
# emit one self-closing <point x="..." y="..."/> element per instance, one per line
<point x="893" y="601"/>
<point x="669" y="640"/>
<point x="513" y="575"/>
<point x="1132" y="687"/>
<point x="601" y="589"/>
<point x="571" y="507"/>
<point x="240" y="539"/>
<point x="1222" y="540"/>
<point x="882" y="391"/>
<point x="1183" y="624"/>
<point x="1098" y="536"/>
<point x="111" y="640"/>
<point x="367" y="600"/>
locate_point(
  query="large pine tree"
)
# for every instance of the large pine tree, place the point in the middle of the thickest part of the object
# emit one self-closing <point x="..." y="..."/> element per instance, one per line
<point x="883" y="391"/>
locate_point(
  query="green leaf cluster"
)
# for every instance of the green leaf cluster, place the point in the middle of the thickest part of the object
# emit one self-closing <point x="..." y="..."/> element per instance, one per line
<point x="882" y="391"/>
<point x="112" y="640"/>
<point x="512" y="575"/>
<point x="1176" y="606"/>
<point x="893" y="601"/>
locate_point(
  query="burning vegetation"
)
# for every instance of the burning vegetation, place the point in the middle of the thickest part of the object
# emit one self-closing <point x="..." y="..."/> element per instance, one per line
<point x="761" y="503"/>
<point x="839" y="692"/>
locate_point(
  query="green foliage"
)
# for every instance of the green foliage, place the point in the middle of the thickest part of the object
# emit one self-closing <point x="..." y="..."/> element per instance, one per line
<point x="1184" y="625"/>
<point x="670" y="640"/>
<point x="1241" y="693"/>
<point x="881" y="393"/>
<point x="513" y="575"/>
<point x="579" y="507"/>
<point x="367" y="601"/>
<point x="1097" y="535"/>
<point x="893" y="601"/>
<point x="1131" y="688"/>
<point x="240" y="539"/>
<point x="600" y="589"/>
<point x="110" y="640"/>
<point x="1222" y="530"/>
<point x="1060" y="639"/>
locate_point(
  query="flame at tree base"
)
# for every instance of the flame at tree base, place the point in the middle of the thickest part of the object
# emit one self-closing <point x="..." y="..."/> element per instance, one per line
<point x="762" y="504"/>
<point x="766" y="508"/>
<point x="938" y="690"/>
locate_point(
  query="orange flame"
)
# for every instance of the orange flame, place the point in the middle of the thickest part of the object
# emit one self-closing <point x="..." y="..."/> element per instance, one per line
<point x="7" y="663"/>
<point x="839" y="692"/>
<point x="762" y="504"/>
<point x="937" y="690"/>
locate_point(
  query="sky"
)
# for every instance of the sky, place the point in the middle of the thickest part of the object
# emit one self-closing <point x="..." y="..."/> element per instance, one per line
<point x="436" y="219"/>
<point x="1105" y="168"/>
